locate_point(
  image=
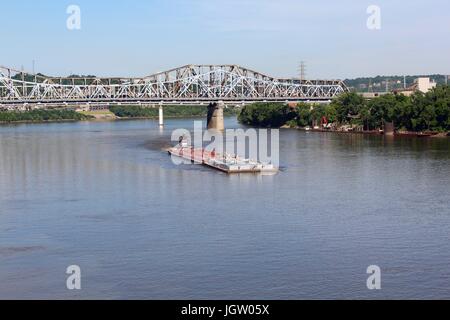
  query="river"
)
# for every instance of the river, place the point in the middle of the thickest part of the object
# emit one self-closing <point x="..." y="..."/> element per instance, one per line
<point x="105" y="197"/>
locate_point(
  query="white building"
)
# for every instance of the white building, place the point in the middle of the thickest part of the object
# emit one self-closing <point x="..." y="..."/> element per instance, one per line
<point x="425" y="84"/>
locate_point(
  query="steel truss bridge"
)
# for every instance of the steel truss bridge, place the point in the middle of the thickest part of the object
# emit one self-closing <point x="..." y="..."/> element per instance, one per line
<point x="191" y="84"/>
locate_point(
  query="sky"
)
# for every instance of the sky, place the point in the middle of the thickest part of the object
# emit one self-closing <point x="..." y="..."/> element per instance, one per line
<point x="141" y="37"/>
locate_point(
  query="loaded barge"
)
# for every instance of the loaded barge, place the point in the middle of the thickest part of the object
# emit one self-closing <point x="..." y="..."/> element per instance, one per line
<point x="222" y="162"/>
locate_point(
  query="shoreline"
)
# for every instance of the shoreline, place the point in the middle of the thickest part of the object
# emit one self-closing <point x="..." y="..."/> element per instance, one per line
<point x="105" y="119"/>
<point x="104" y="115"/>
<point x="428" y="134"/>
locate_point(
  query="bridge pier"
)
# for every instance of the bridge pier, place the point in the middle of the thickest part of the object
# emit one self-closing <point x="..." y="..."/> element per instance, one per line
<point x="215" y="116"/>
<point x="161" y="116"/>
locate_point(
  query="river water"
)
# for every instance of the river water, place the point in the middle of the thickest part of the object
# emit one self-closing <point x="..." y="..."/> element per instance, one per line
<point x="105" y="197"/>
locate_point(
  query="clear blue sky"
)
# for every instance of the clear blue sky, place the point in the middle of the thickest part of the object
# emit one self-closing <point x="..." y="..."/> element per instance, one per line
<point x="139" y="37"/>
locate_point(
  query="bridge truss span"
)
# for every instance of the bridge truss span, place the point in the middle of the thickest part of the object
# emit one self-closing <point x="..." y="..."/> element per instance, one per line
<point x="188" y="84"/>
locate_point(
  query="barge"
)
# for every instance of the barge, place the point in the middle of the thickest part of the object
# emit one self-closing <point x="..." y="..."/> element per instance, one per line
<point x="223" y="162"/>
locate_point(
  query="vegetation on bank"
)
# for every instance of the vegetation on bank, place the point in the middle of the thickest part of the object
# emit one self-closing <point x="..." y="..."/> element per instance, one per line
<point x="271" y="114"/>
<point x="42" y="115"/>
<point x="419" y="112"/>
<point x="169" y="111"/>
<point x="118" y="111"/>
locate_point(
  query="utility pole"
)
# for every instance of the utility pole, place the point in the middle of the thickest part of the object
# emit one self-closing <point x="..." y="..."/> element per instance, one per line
<point x="33" y="66"/>
<point x="404" y="82"/>
<point x="23" y="80"/>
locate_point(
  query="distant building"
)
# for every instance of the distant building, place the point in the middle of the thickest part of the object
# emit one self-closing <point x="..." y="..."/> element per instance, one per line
<point x="425" y="84"/>
<point x="420" y="84"/>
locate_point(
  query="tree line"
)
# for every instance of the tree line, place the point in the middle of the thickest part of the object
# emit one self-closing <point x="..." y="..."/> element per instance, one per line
<point x="395" y="82"/>
<point x="119" y="111"/>
<point x="169" y="111"/>
<point x="42" y="115"/>
<point x="418" y="112"/>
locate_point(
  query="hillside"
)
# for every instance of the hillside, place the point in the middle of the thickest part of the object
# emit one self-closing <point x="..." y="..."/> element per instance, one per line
<point x="378" y="83"/>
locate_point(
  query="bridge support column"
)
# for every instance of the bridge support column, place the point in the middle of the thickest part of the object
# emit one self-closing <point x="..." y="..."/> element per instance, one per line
<point x="215" y="116"/>
<point x="161" y="116"/>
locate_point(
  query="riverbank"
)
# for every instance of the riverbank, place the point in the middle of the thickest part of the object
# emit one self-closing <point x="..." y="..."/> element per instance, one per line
<point x="378" y="133"/>
<point x="112" y="114"/>
<point x="420" y="114"/>
<point x="100" y="115"/>
<point x="97" y="118"/>
<point x="36" y="116"/>
<point x="170" y="111"/>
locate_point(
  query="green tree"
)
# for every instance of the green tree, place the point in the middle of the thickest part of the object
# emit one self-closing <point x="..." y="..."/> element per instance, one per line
<point x="304" y="114"/>
<point x="318" y="112"/>
<point x="266" y="114"/>
<point x="42" y="115"/>
<point x="348" y="106"/>
<point x="331" y="113"/>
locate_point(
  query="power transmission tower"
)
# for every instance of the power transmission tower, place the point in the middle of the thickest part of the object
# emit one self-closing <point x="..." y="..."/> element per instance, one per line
<point x="302" y="70"/>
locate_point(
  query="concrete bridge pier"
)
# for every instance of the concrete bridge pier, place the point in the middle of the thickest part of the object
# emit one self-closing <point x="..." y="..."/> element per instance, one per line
<point x="161" y="116"/>
<point x="215" y="116"/>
